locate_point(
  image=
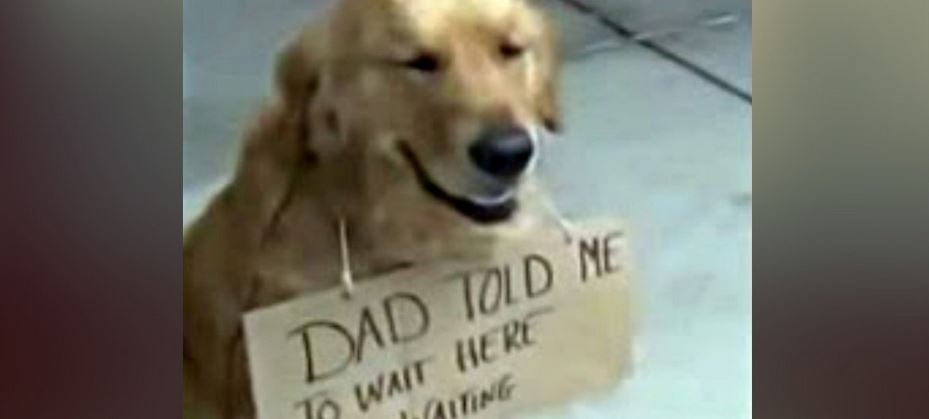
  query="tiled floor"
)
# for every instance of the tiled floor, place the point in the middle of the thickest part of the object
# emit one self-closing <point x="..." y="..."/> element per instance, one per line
<point x="647" y="140"/>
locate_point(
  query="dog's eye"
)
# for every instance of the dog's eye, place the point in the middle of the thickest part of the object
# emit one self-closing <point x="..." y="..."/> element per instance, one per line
<point x="509" y="50"/>
<point x="425" y="62"/>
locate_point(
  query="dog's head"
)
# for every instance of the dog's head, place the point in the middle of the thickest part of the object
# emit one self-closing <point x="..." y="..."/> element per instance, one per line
<point x="438" y="103"/>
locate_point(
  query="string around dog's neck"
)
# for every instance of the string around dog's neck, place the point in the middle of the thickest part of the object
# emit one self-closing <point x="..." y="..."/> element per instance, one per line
<point x="345" y="273"/>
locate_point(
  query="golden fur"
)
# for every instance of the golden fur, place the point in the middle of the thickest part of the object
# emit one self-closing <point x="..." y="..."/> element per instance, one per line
<point x="327" y="147"/>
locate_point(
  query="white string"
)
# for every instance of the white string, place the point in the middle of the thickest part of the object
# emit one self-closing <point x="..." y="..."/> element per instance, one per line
<point x="566" y="227"/>
<point x="348" y="279"/>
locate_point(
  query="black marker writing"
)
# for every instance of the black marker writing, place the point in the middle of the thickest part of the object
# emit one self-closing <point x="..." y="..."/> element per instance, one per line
<point x="389" y="384"/>
<point x="486" y="292"/>
<point x="405" y="318"/>
<point x="514" y="336"/>
<point x="598" y="254"/>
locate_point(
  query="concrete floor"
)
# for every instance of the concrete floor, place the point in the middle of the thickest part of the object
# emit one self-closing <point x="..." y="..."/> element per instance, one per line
<point x="648" y="138"/>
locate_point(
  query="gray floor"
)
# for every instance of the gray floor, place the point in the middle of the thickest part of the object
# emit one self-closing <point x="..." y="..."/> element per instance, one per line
<point x="665" y="143"/>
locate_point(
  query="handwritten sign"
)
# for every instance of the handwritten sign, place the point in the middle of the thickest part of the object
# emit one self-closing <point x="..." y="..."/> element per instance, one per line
<point x="542" y="323"/>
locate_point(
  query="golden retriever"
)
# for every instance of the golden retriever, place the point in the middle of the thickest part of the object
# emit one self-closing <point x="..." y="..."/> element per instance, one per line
<point x="406" y="128"/>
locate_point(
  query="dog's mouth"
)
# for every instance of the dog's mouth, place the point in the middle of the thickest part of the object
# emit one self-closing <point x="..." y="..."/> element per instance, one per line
<point x="483" y="210"/>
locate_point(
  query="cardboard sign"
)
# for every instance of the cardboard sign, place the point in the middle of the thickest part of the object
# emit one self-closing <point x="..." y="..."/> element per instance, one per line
<point x="545" y="322"/>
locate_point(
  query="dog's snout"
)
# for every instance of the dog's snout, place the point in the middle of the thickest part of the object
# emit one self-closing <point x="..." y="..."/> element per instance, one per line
<point x="503" y="152"/>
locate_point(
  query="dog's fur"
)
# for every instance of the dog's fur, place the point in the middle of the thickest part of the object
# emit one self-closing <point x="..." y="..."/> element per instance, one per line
<point x="328" y="147"/>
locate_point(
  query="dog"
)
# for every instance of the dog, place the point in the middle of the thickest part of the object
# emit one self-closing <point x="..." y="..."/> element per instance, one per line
<point x="401" y="132"/>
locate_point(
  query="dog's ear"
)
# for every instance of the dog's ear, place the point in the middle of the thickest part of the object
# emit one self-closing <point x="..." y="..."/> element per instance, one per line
<point x="297" y="72"/>
<point x="549" y="105"/>
<point x="276" y="146"/>
<point x="299" y="75"/>
<point x="547" y="91"/>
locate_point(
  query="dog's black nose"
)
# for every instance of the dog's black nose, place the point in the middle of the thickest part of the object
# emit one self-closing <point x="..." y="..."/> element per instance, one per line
<point x="503" y="152"/>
